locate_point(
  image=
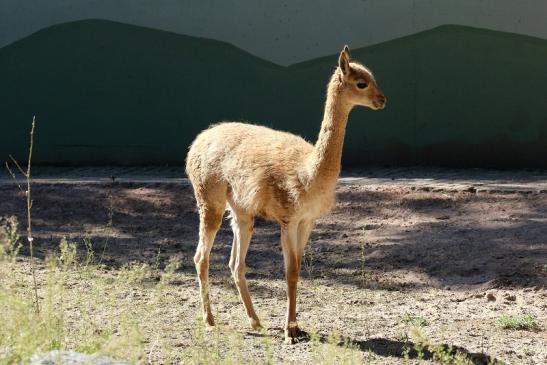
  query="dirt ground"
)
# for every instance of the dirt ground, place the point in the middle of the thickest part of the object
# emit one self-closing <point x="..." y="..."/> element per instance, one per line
<point x="457" y="255"/>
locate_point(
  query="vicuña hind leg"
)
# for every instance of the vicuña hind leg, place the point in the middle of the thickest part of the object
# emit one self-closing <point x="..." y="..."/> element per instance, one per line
<point x="209" y="222"/>
<point x="242" y="226"/>
<point x="292" y="258"/>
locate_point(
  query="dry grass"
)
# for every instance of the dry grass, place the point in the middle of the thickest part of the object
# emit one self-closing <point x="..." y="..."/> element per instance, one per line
<point x="125" y="313"/>
<point x="93" y="310"/>
<point x="133" y="313"/>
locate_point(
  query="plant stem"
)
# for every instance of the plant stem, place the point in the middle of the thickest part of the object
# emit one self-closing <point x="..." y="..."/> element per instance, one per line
<point x="29" y="217"/>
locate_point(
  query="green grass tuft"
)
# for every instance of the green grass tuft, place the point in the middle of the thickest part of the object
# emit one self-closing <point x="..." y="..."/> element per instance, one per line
<point x="415" y="320"/>
<point x="525" y="322"/>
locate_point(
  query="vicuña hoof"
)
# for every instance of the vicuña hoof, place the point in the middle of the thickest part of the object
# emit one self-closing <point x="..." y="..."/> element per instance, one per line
<point x="255" y="324"/>
<point x="293" y="335"/>
<point x="209" y="322"/>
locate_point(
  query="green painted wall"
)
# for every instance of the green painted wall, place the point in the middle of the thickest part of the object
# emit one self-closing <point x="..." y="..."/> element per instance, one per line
<point x="106" y="92"/>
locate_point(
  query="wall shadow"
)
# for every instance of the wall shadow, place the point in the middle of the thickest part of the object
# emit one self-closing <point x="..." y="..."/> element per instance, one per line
<point x="451" y="241"/>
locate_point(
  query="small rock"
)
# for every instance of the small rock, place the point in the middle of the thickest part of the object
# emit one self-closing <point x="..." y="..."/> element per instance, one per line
<point x="72" y="358"/>
<point x="471" y="189"/>
<point x="359" y="301"/>
<point x="370" y="227"/>
<point x="510" y="297"/>
<point x="443" y="217"/>
<point x="374" y="285"/>
<point x="491" y="297"/>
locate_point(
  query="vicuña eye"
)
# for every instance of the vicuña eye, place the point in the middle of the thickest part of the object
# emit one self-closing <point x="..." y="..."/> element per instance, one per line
<point x="362" y="85"/>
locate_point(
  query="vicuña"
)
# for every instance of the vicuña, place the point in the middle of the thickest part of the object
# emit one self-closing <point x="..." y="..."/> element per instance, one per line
<point x="257" y="171"/>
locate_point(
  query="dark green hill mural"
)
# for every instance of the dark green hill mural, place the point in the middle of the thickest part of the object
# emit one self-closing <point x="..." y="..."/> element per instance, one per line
<point x="106" y="92"/>
<point x="457" y="96"/>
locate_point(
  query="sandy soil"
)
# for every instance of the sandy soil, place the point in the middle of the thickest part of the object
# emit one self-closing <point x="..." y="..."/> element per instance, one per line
<point x="455" y="257"/>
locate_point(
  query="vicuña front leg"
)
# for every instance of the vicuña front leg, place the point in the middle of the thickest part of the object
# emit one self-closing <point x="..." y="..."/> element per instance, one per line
<point x="289" y="243"/>
<point x="243" y="230"/>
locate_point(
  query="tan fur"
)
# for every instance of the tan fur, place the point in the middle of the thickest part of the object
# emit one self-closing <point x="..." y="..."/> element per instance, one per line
<point x="256" y="171"/>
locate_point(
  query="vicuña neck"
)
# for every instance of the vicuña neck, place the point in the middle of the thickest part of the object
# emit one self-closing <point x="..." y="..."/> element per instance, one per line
<point x="326" y="157"/>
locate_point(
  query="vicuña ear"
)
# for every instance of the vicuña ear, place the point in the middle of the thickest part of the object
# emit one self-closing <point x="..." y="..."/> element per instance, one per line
<point x="343" y="60"/>
<point x="346" y="50"/>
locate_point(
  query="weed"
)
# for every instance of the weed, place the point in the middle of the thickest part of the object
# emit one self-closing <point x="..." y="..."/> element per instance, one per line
<point x="9" y="239"/>
<point x="525" y="322"/>
<point x="169" y="271"/>
<point x="308" y="262"/>
<point x="335" y="351"/>
<point x="415" y="320"/>
<point x="134" y="273"/>
<point x="90" y="254"/>
<point x="267" y="342"/>
<point x="109" y="222"/>
<point x="28" y="194"/>
<point x="71" y="315"/>
<point x="441" y="354"/>
<point x="364" y="273"/>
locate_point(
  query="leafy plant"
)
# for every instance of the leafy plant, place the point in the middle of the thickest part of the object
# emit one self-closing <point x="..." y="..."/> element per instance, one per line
<point x="525" y="322"/>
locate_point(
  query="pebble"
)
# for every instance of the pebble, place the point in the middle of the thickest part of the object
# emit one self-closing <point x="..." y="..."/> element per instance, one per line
<point x="370" y="227"/>
<point x="72" y="358"/>
<point x="510" y="297"/>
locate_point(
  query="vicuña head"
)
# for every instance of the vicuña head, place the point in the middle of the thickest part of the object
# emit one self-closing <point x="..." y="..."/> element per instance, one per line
<point x="357" y="84"/>
<point x="257" y="171"/>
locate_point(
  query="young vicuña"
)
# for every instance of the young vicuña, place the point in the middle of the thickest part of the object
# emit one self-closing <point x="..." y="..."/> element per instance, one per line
<point x="256" y="171"/>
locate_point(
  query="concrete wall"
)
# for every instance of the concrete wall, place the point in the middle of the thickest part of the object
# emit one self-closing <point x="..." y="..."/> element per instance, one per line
<point x="470" y="94"/>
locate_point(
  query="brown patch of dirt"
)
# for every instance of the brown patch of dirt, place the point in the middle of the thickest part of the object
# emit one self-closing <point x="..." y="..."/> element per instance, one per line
<point x="383" y="253"/>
